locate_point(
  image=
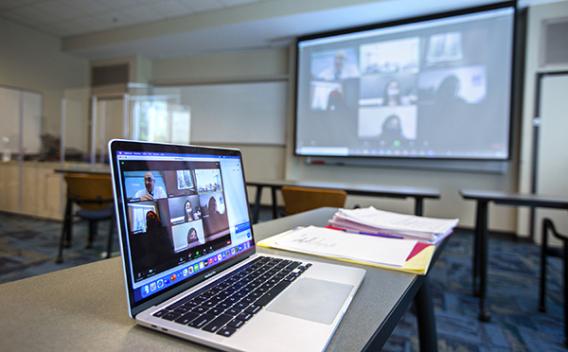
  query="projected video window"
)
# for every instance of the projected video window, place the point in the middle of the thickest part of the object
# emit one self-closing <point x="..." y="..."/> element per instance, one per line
<point x="432" y="88"/>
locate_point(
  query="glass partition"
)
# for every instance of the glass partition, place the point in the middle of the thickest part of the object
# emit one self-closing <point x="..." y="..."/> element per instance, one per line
<point x="75" y="112"/>
<point x="21" y="113"/>
<point x="89" y="122"/>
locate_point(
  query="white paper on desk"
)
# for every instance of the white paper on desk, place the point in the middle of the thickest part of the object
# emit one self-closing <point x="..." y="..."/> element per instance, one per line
<point x="401" y="222"/>
<point x="339" y="244"/>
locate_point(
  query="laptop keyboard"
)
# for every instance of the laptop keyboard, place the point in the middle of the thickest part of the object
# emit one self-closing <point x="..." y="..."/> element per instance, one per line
<point x="225" y="305"/>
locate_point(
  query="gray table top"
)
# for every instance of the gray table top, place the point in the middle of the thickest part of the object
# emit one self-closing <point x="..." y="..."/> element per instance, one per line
<point x="354" y="188"/>
<point x="84" y="308"/>
<point x="519" y="199"/>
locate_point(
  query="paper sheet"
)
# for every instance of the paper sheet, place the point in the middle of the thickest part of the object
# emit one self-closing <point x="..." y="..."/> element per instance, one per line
<point x="402" y="222"/>
<point x="332" y="243"/>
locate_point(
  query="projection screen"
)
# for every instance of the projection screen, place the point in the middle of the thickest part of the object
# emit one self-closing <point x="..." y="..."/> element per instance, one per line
<point x="432" y="87"/>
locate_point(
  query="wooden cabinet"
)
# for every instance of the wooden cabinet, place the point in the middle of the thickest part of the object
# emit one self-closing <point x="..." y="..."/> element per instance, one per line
<point x="9" y="187"/>
<point x="32" y="188"/>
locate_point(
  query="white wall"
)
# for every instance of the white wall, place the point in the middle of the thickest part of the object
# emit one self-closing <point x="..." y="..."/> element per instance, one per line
<point x="448" y="182"/>
<point x="533" y="49"/>
<point x="261" y="161"/>
<point x="34" y="61"/>
<point x="273" y="162"/>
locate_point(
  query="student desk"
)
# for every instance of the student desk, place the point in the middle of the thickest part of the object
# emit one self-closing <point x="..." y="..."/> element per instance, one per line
<point x="370" y="190"/>
<point x="86" y="169"/>
<point x="84" y="308"/>
<point x="481" y="239"/>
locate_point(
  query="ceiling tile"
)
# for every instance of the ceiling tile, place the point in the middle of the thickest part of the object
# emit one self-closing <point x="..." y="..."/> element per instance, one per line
<point x="68" y="17"/>
<point x="12" y="4"/>
<point x="27" y="13"/>
<point x="228" y="3"/>
<point x="203" y="5"/>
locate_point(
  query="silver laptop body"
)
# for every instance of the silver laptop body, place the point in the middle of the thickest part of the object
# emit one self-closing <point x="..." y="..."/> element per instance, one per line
<point x="190" y="262"/>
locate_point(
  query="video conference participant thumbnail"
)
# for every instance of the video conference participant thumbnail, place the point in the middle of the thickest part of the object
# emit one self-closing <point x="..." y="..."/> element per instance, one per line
<point x="144" y="185"/>
<point x="165" y="232"/>
<point x="212" y="203"/>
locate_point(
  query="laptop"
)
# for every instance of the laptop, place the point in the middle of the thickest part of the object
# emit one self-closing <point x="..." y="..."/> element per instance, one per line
<point x="190" y="263"/>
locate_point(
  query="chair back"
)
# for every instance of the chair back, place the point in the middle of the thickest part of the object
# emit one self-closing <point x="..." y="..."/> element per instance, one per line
<point x="89" y="191"/>
<point x="299" y="199"/>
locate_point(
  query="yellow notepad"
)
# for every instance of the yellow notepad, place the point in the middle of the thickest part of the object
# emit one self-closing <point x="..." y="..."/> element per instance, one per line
<point x="418" y="264"/>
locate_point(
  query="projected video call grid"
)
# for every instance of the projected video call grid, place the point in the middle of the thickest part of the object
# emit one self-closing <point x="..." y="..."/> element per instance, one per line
<point x="438" y="91"/>
<point x="176" y="212"/>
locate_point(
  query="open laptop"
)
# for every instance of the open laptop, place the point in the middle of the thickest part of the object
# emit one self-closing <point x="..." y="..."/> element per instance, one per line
<point x="190" y="263"/>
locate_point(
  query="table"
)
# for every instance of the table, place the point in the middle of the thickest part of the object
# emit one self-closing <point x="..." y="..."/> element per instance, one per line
<point x="86" y="169"/>
<point x="84" y="308"/>
<point x="371" y="190"/>
<point x="481" y="238"/>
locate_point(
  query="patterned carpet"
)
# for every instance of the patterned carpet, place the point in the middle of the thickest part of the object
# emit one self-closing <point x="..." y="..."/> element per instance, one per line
<point x="28" y="247"/>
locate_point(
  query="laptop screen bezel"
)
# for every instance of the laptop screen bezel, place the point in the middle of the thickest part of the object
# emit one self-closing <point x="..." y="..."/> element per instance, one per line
<point x="133" y="146"/>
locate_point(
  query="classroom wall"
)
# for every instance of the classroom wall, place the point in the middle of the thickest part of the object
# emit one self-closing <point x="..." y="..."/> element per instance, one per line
<point x="261" y="161"/>
<point x="536" y="15"/>
<point x="449" y="182"/>
<point x="274" y="162"/>
<point x="33" y="60"/>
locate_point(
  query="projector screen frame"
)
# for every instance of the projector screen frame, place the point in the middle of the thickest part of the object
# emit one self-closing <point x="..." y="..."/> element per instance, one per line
<point x="410" y="20"/>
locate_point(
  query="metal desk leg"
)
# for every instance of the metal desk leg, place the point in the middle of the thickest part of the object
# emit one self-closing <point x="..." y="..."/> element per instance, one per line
<point x="542" y="281"/>
<point x="274" y="202"/>
<point x="419" y="206"/>
<point x="483" y="260"/>
<point x="475" y="255"/>
<point x="65" y="228"/>
<point x="427" y="335"/>
<point x="256" y="209"/>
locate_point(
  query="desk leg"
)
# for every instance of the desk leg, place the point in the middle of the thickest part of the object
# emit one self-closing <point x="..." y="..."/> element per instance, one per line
<point x="419" y="206"/>
<point x="274" y="202"/>
<point x="475" y="255"/>
<point x="483" y="260"/>
<point x="427" y="335"/>
<point x="256" y="209"/>
<point x="65" y="228"/>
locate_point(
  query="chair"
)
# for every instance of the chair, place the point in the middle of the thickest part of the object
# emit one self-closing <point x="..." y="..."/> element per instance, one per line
<point x="299" y="199"/>
<point x="548" y="226"/>
<point x="92" y="193"/>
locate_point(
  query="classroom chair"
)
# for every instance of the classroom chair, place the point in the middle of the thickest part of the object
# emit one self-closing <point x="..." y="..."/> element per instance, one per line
<point x="92" y="193"/>
<point x="299" y="199"/>
<point x="548" y="226"/>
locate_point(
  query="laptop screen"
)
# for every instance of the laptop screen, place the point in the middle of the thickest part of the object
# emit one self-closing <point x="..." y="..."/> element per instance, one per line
<point x="185" y="213"/>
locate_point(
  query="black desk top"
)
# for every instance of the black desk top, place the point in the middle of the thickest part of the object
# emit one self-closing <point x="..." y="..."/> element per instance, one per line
<point x="518" y="199"/>
<point x="355" y="189"/>
<point x="86" y="169"/>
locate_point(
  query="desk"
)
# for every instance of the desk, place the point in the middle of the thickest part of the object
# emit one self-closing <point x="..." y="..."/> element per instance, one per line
<point x="481" y="239"/>
<point x="419" y="194"/>
<point x="86" y="169"/>
<point x="84" y="308"/>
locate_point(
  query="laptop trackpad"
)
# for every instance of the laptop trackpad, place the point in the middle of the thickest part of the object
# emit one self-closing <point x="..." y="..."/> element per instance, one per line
<point x="312" y="299"/>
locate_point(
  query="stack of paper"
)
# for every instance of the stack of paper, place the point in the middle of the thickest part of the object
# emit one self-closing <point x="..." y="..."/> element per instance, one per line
<point x="336" y="244"/>
<point x="371" y="221"/>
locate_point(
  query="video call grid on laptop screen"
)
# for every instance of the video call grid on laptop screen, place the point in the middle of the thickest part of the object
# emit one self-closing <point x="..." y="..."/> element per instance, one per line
<point x="185" y="213"/>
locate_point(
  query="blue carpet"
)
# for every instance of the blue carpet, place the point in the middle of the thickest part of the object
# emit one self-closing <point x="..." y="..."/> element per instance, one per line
<point x="29" y="246"/>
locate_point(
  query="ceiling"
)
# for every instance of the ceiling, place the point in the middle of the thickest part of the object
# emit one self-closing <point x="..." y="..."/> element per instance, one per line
<point x="71" y="17"/>
<point x="103" y="29"/>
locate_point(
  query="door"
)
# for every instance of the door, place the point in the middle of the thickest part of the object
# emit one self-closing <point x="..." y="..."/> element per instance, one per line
<point x="552" y="168"/>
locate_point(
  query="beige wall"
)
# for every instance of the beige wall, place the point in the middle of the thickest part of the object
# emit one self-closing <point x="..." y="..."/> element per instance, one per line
<point x="274" y="162"/>
<point x="34" y="61"/>
<point x="536" y="15"/>
<point x="266" y="162"/>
